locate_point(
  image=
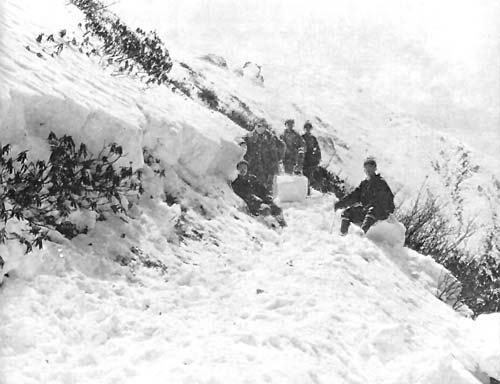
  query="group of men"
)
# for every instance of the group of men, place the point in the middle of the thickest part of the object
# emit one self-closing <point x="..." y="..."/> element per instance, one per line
<point x="267" y="154"/>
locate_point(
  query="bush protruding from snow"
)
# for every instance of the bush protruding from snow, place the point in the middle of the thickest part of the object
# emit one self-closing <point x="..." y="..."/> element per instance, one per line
<point x="215" y="60"/>
<point x="44" y="194"/>
<point x="104" y="35"/>
<point x="209" y="97"/>
<point x="430" y="232"/>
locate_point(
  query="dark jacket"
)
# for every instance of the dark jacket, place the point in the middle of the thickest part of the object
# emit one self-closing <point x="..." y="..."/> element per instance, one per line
<point x="312" y="155"/>
<point x="264" y="152"/>
<point x="295" y="148"/>
<point x="372" y="193"/>
<point x="248" y="187"/>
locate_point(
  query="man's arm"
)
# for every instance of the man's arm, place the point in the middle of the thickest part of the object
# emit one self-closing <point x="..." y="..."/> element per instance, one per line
<point x="301" y="150"/>
<point x="317" y="150"/>
<point x="350" y="199"/>
<point x="389" y="198"/>
<point x="280" y="147"/>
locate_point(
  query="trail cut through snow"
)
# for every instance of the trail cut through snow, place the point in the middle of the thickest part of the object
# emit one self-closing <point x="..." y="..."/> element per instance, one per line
<point x="303" y="306"/>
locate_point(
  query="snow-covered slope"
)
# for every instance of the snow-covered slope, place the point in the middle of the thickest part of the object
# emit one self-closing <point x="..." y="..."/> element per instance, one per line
<point x="241" y="305"/>
<point x="195" y="291"/>
<point x="351" y="125"/>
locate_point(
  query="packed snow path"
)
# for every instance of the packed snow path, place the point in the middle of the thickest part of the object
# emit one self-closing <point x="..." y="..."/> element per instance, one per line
<point x="305" y="306"/>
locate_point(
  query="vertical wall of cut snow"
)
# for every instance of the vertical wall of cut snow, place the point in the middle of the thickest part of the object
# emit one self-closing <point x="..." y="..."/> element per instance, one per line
<point x="72" y="94"/>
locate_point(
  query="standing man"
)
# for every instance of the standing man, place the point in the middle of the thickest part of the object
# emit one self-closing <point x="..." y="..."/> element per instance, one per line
<point x="295" y="148"/>
<point x="312" y="156"/>
<point x="372" y="200"/>
<point x="264" y="154"/>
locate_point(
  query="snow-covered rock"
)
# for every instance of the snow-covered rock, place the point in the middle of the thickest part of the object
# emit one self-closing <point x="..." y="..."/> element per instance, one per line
<point x="252" y="71"/>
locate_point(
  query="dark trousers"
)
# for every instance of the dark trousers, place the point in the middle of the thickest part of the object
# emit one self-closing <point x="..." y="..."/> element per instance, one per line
<point x="362" y="216"/>
<point x="309" y="172"/>
<point x="257" y="206"/>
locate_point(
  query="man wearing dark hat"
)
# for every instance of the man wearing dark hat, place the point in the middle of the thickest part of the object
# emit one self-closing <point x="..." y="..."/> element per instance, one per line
<point x="295" y="147"/>
<point x="312" y="156"/>
<point x="372" y="200"/>
<point x="255" y="195"/>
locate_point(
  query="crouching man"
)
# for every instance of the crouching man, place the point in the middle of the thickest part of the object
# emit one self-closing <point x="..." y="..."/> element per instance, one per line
<point x="255" y="195"/>
<point x="371" y="201"/>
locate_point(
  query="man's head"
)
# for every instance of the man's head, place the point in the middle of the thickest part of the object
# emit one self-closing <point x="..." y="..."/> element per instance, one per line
<point x="260" y="126"/>
<point x="370" y="166"/>
<point x="290" y="123"/>
<point x="242" y="167"/>
<point x="308" y="127"/>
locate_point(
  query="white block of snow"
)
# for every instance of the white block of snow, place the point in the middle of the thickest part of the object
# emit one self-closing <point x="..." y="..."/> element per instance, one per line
<point x="290" y="188"/>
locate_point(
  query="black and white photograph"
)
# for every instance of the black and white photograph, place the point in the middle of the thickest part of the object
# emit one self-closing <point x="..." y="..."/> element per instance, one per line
<point x="249" y="192"/>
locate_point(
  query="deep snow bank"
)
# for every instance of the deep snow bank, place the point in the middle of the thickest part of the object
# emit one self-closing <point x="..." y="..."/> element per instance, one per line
<point x="72" y="95"/>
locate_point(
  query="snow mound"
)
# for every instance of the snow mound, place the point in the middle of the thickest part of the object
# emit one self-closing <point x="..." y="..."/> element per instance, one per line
<point x="485" y="342"/>
<point x="388" y="232"/>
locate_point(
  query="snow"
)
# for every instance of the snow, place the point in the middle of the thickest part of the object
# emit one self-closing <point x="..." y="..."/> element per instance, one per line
<point x="487" y="329"/>
<point x="306" y="306"/>
<point x="196" y="291"/>
<point x="291" y="188"/>
<point x="389" y="232"/>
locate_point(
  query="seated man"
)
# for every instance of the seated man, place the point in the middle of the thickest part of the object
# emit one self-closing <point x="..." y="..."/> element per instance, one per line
<point x="372" y="200"/>
<point x="255" y="195"/>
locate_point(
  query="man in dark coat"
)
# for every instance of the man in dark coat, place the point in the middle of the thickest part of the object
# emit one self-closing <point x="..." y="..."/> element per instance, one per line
<point x="255" y="195"/>
<point x="264" y="154"/>
<point x="295" y="148"/>
<point x="372" y="200"/>
<point x="312" y="156"/>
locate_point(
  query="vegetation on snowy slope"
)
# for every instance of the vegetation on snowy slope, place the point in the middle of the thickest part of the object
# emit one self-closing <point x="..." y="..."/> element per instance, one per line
<point x="43" y="194"/>
<point x="130" y="52"/>
<point x="477" y="283"/>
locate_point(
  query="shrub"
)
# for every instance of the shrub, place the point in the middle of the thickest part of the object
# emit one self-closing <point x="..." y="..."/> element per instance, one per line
<point x="480" y="279"/>
<point x="129" y="51"/>
<point x="209" y="98"/>
<point x="325" y="181"/>
<point x="240" y="119"/>
<point x="44" y="193"/>
<point x="428" y="231"/>
<point x="476" y="281"/>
